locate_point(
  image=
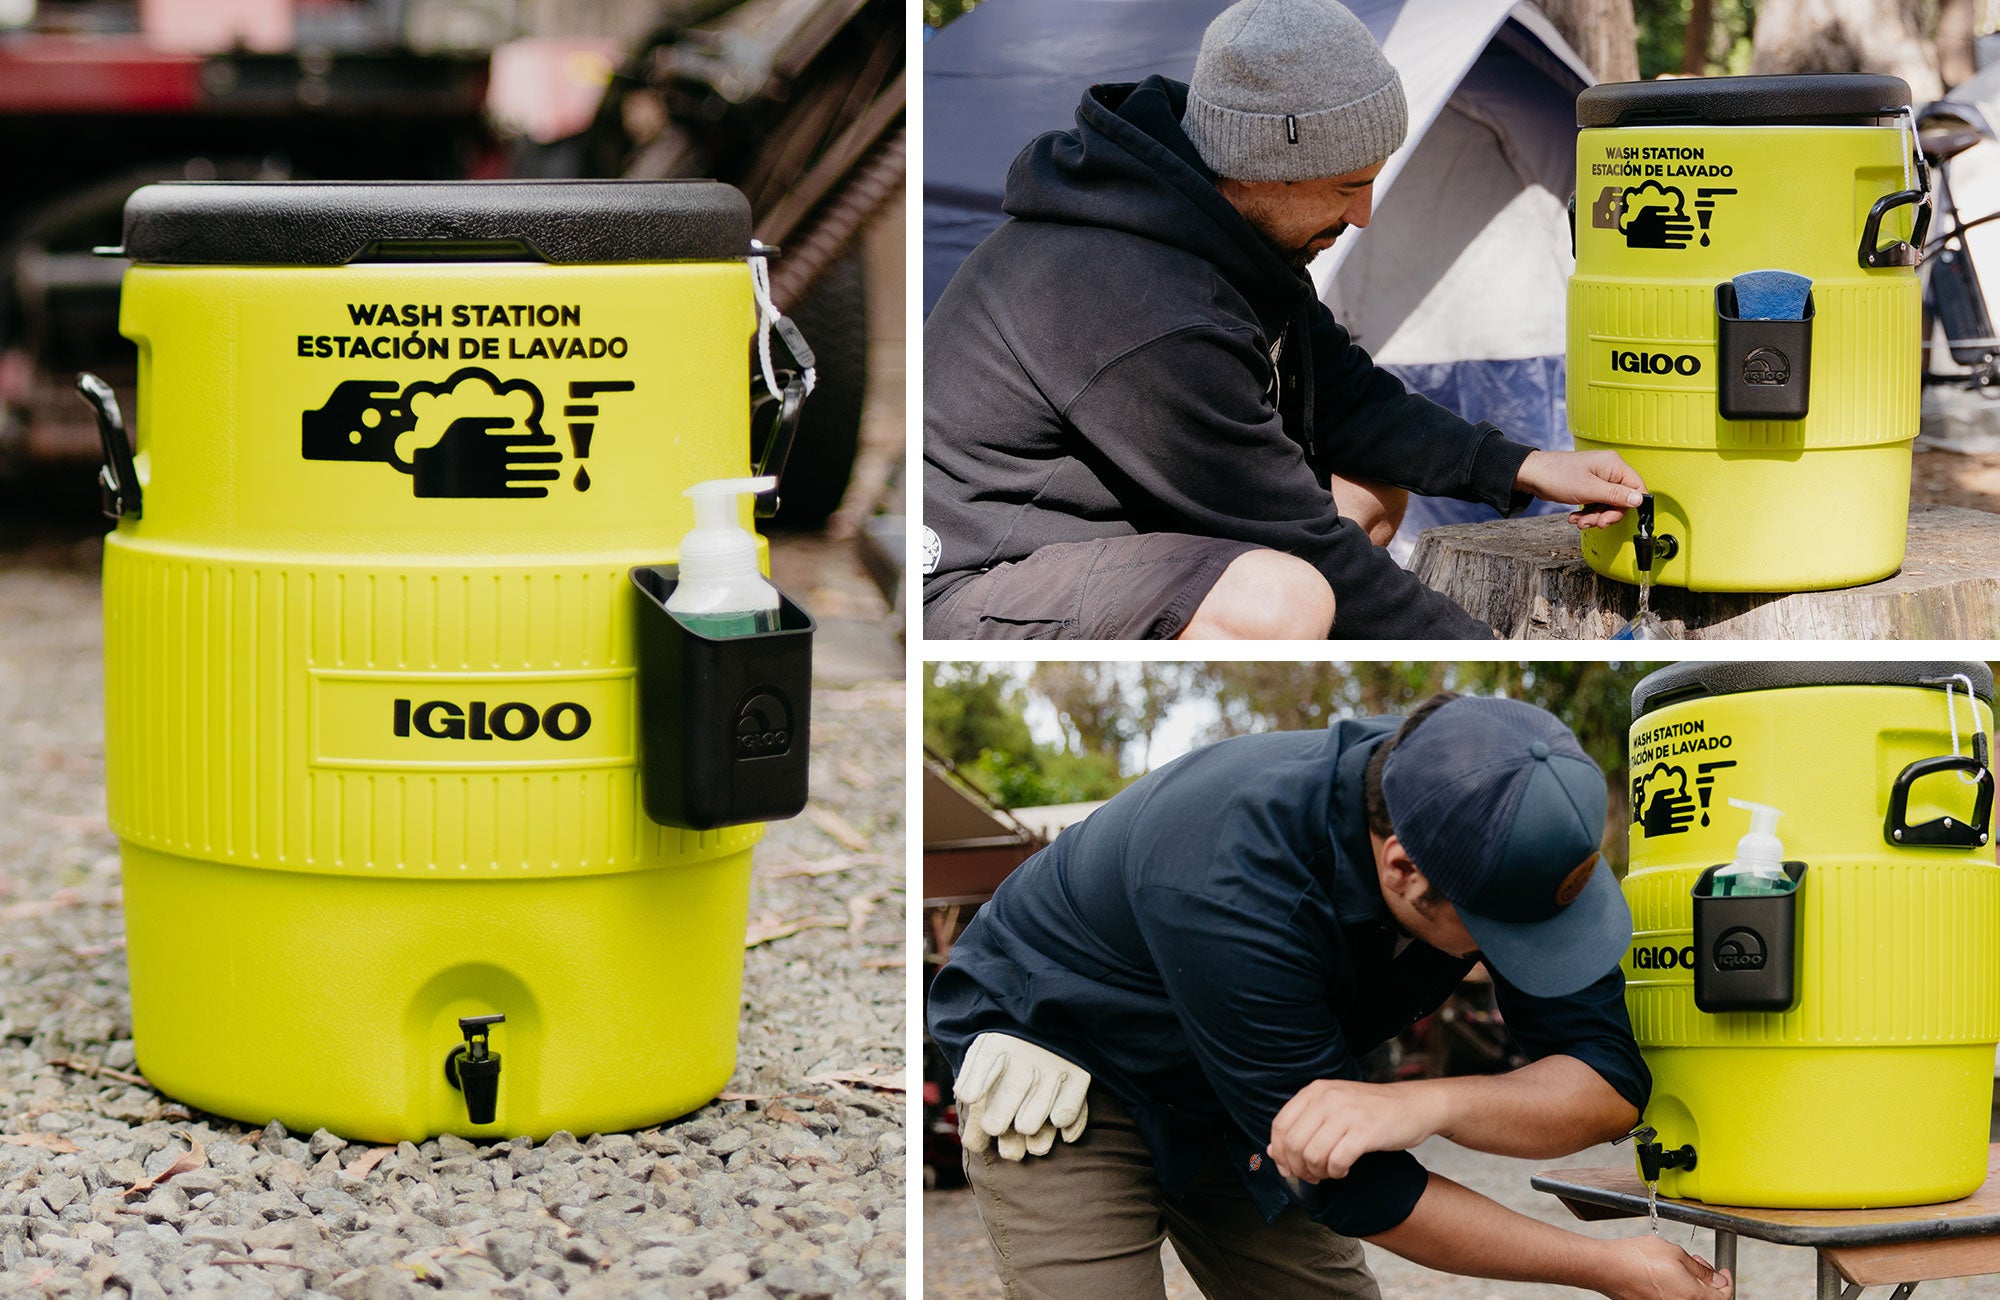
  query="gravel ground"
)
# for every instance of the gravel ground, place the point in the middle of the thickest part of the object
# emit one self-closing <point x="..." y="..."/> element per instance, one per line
<point x="957" y="1265"/>
<point x="791" y="1186"/>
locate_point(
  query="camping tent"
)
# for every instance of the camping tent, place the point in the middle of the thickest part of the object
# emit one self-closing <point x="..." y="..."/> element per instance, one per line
<point x="1457" y="285"/>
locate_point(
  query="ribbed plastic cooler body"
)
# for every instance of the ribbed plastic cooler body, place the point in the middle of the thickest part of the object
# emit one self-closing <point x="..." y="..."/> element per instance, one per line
<point x="1682" y="196"/>
<point x="1875" y="1088"/>
<point x="369" y="656"/>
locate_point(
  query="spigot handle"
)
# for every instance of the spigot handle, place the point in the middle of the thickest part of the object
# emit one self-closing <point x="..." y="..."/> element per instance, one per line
<point x="475" y="1029"/>
<point x="475" y="1071"/>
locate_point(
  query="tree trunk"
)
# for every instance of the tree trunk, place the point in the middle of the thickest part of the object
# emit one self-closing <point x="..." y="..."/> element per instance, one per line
<point x="1602" y="32"/>
<point x="1527" y="578"/>
<point x="1700" y="30"/>
<point x="1847" y="36"/>
<point x="1955" y="33"/>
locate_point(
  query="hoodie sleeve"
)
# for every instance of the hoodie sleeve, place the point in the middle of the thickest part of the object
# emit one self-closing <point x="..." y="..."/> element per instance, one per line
<point x="1193" y="446"/>
<point x="1370" y="425"/>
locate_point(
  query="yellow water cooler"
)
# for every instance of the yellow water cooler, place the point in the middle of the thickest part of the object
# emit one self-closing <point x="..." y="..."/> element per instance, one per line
<point x="431" y="819"/>
<point x="1831" y="1046"/>
<point x="1776" y="450"/>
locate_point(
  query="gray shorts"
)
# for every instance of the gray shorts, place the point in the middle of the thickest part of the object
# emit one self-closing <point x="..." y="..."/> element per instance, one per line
<point x="1144" y="587"/>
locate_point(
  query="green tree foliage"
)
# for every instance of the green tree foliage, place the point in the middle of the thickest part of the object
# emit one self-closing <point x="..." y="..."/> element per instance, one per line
<point x="973" y="709"/>
<point x="939" y="12"/>
<point x="975" y="716"/>
<point x="1663" y="35"/>
<point x="1594" y="699"/>
<point x="1294" y="697"/>
<point x="1107" y="713"/>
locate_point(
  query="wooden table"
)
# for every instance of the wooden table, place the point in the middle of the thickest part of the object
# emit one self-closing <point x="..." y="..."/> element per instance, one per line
<point x="1527" y="578"/>
<point x="1857" y="1248"/>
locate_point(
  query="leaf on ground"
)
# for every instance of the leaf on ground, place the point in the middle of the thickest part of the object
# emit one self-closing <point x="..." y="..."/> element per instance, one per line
<point x="367" y="1160"/>
<point x="91" y="952"/>
<point x="837" y="829"/>
<point x="778" y="1110"/>
<point x="62" y="1146"/>
<point x="880" y="1077"/>
<point x="851" y="772"/>
<point x="825" y="866"/>
<point x="93" y="1070"/>
<point x="769" y="926"/>
<point x="187" y="1161"/>
<point x="884" y="963"/>
<point x="38" y="907"/>
<point x="861" y="906"/>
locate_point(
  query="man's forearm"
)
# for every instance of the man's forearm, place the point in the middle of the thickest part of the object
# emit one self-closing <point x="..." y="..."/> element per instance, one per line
<point x="1556" y="1106"/>
<point x="1456" y="1230"/>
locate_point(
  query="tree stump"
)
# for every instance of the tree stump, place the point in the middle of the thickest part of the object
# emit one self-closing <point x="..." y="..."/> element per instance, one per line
<point x="1527" y="578"/>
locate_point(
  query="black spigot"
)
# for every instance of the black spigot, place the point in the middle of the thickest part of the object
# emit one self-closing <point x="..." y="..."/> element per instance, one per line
<point x="474" y="1070"/>
<point x="1653" y="1157"/>
<point x="1647" y="545"/>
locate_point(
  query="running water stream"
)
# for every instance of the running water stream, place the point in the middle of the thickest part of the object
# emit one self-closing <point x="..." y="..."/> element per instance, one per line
<point x="1644" y="625"/>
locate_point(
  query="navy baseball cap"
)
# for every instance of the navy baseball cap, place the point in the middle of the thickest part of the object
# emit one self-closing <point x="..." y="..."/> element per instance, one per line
<point x="1500" y="808"/>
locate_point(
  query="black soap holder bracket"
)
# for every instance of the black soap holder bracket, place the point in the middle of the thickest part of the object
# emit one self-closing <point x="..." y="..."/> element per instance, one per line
<point x="1763" y="367"/>
<point x="1746" y="947"/>
<point x="723" y="721"/>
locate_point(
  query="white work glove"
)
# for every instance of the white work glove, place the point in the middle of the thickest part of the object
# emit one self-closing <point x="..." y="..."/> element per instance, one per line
<point x="1020" y="1094"/>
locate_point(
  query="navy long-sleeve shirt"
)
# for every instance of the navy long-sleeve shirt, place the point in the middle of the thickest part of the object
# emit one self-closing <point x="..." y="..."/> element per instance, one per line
<point x="1214" y="939"/>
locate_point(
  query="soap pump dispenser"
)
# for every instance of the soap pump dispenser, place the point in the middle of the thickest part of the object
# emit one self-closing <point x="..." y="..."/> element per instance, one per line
<point x="720" y="591"/>
<point x="1759" y="867"/>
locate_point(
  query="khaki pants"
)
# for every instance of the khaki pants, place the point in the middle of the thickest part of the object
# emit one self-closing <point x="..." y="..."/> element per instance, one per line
<point x="1085" y="1222"/>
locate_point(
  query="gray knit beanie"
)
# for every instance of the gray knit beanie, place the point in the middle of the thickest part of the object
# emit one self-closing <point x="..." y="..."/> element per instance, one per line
<point x="1292" y="90"/>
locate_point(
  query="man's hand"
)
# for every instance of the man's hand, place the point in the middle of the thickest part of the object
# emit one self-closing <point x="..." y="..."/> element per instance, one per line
<point x="1584" y="478"/>
<point x="1653" y="1268"/>
<point x="1331" y="1123"/>
<point x="1456" y="1230"/>
<point x="1019" y="1097"/>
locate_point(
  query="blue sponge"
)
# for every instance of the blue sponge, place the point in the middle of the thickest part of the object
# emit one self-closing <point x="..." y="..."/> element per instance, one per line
<point x="1771" y="295"/>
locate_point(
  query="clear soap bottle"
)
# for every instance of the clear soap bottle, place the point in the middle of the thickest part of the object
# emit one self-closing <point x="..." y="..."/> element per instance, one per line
<point x="720" y="591"/>
<point x="1759" y="867"/>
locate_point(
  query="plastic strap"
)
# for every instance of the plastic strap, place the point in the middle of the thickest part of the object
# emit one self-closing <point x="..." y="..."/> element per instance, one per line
<point x="768" y="316"/>
<point x="1951" y="714"/>
<point x="1915" y="162"/>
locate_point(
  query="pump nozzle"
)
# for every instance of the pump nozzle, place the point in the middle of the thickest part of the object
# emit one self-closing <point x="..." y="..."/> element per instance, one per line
<point x="715" y="499"/>
<point x="1760" y="847"/>
<point x="719" y="547"/>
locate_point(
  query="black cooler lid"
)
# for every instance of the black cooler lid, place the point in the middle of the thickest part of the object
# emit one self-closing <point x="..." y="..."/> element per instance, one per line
<point x="1687" y="681"/>
<point x="329" y="223"/>
<point x="1813" y="99"/>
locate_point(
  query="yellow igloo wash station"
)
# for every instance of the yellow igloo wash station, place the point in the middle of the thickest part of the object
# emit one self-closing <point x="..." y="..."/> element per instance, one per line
<point x="1814" y="976"/>
<point x="1744" y="324"/>
<point x="432" y="819"/>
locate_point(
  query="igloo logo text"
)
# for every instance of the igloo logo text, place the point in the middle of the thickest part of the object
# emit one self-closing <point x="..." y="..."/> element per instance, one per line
<point x="763" y="725"/>
<point x="1739" y="949"/>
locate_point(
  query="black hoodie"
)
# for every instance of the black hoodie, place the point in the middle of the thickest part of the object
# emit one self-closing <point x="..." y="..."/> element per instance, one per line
<point x="1129" y="356"/>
